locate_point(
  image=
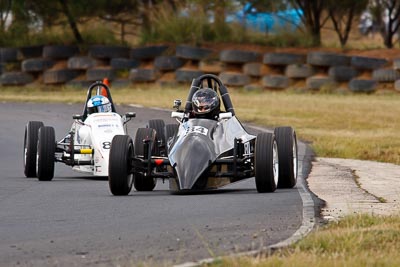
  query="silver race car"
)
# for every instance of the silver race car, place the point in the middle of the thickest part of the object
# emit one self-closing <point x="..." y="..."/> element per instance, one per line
<point x="208" y="148"/>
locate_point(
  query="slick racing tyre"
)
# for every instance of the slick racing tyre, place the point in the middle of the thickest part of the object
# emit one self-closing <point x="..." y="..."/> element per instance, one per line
<point x="30" y="147"/>
<point x="266" y="163"/>
<point x="287" y="152"/>
<point x="46" y="149"/>
<point x="158" y="125"/>
<point x="120" y="176"/>
<point x="140" y="182"/>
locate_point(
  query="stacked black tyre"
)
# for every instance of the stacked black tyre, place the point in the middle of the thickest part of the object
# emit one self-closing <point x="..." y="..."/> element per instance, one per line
<point x="120" y="176"/>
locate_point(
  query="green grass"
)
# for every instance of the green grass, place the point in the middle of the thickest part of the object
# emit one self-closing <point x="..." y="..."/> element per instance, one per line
<point x="359" y="240"/>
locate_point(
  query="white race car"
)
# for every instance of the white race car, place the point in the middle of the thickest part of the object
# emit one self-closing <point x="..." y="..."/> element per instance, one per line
<point x="86" y="147"/>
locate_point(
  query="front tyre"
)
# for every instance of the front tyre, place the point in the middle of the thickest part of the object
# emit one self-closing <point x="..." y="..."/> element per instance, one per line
<point x="120" y="176"/>
<point x="287" y="151"/>
<point x="30" y="147"/>
<point x="46" y="149"/>
<point x="140" y="181"/>
<point x="266" y="163"/>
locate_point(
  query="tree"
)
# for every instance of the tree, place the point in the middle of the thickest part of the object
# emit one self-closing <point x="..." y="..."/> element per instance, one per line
<point x="343" y="15"/>
<point x="63" y="12"/>
<point x="122" y="12"/>
<point x="386" y="14"/>
<point x="312" y="17"/>
<point x="5" y="14"/>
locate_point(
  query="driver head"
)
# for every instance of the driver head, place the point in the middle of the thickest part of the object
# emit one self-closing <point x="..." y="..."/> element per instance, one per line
<point x="205" y="103"/>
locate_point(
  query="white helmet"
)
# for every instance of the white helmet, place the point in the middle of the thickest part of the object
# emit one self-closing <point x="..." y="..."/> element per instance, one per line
<point x="98" y="103"/>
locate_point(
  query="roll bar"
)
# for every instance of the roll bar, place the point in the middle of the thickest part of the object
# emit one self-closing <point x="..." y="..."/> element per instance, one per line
<point x="213" y="82"/>
<point x="99" y="86"/>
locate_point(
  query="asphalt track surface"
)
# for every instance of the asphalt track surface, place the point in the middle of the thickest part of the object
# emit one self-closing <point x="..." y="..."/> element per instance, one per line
<point x="74" y="220"/>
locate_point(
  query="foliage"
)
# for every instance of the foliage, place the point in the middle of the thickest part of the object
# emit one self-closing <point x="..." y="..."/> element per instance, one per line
<point x="343" y="15"/>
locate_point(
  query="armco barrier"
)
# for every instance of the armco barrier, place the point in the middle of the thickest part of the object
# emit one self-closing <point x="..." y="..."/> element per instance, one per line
<point x="167" y="65"/>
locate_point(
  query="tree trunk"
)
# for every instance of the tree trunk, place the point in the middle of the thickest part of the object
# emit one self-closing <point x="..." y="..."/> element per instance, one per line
<point x="71" y="21"/>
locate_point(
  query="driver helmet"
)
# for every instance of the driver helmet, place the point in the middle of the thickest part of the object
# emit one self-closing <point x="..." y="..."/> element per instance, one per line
<point x="205" y="103"/>
<point x="98" y="103"/>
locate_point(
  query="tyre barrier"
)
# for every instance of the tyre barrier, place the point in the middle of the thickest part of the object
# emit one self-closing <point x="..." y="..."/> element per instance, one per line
<point x="192" y="53"/>
<point x="317" y="82"/>
<point x="234" y="79"/>
<point x="283" y="59"/>
<point x="275" y="81"/>
<point x="168" y="63"/>
<point x="124" y="63"/>
<point x="146" y="53"/>
<point x="342" y="73"/>
<point x="186" y="75"/>
<point x="98" y="74"/>
<point x="107" y="52"/>
<point x="299" y="71"/>
<point x="60" y="51"/>
<point x="253" y="69"/>
<point x="59" y="76"/>
<point x="213" y="67"/>
<point x="397" y="85"/>
<point x="57" y="64"/>
<point x="367" y="63"/>
<point x="36" y="64"/>
<point x="8" y="54"/>
<point x="16" y="78"/>
<point x="327" y="59"/>
<point x="385" y="75"/>
<point x="33" y="51"/>
<point x="363" y="85"/>
<point x="81" y="63"/>
<point x="144" y="75"/>
<point x="239" y="56"/>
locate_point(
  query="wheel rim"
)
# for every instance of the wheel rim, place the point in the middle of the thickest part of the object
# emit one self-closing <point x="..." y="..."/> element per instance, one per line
<point x="37" y="162"/>
<point x="294" y="158"/>
<point x="130" y="175"/>
<point x="25" y="155"/>
<point x="275" y="162"/>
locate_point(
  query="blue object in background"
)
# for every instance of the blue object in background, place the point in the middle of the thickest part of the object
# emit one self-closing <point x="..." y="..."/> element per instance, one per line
<point x="268" y="22"/>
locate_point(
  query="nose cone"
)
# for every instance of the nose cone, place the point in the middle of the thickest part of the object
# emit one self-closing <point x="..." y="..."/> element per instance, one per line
<point x="192" y="158"/>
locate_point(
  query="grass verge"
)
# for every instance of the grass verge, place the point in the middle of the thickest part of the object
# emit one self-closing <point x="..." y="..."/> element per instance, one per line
<point x="359" y="240"/>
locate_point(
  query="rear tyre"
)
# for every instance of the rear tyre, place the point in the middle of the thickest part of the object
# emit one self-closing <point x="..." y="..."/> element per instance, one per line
<point x="141" y="182"/>
<point x="46" y="149"/>
<point x="170" y="131"/>
<point x="120" y="176"/>
<point x="287" y="151"/>
<point x="30" y="147"/>
<point x="266" y="163"/>
<point x="159" y="146"/>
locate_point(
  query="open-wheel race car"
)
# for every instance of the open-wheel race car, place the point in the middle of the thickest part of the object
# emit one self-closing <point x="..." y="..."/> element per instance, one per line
<point x="207" y="149"/>
<point x="87" y="145"/>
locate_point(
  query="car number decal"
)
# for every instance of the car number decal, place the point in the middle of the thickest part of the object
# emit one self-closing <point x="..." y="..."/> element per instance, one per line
<point x="197" y="129"/>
